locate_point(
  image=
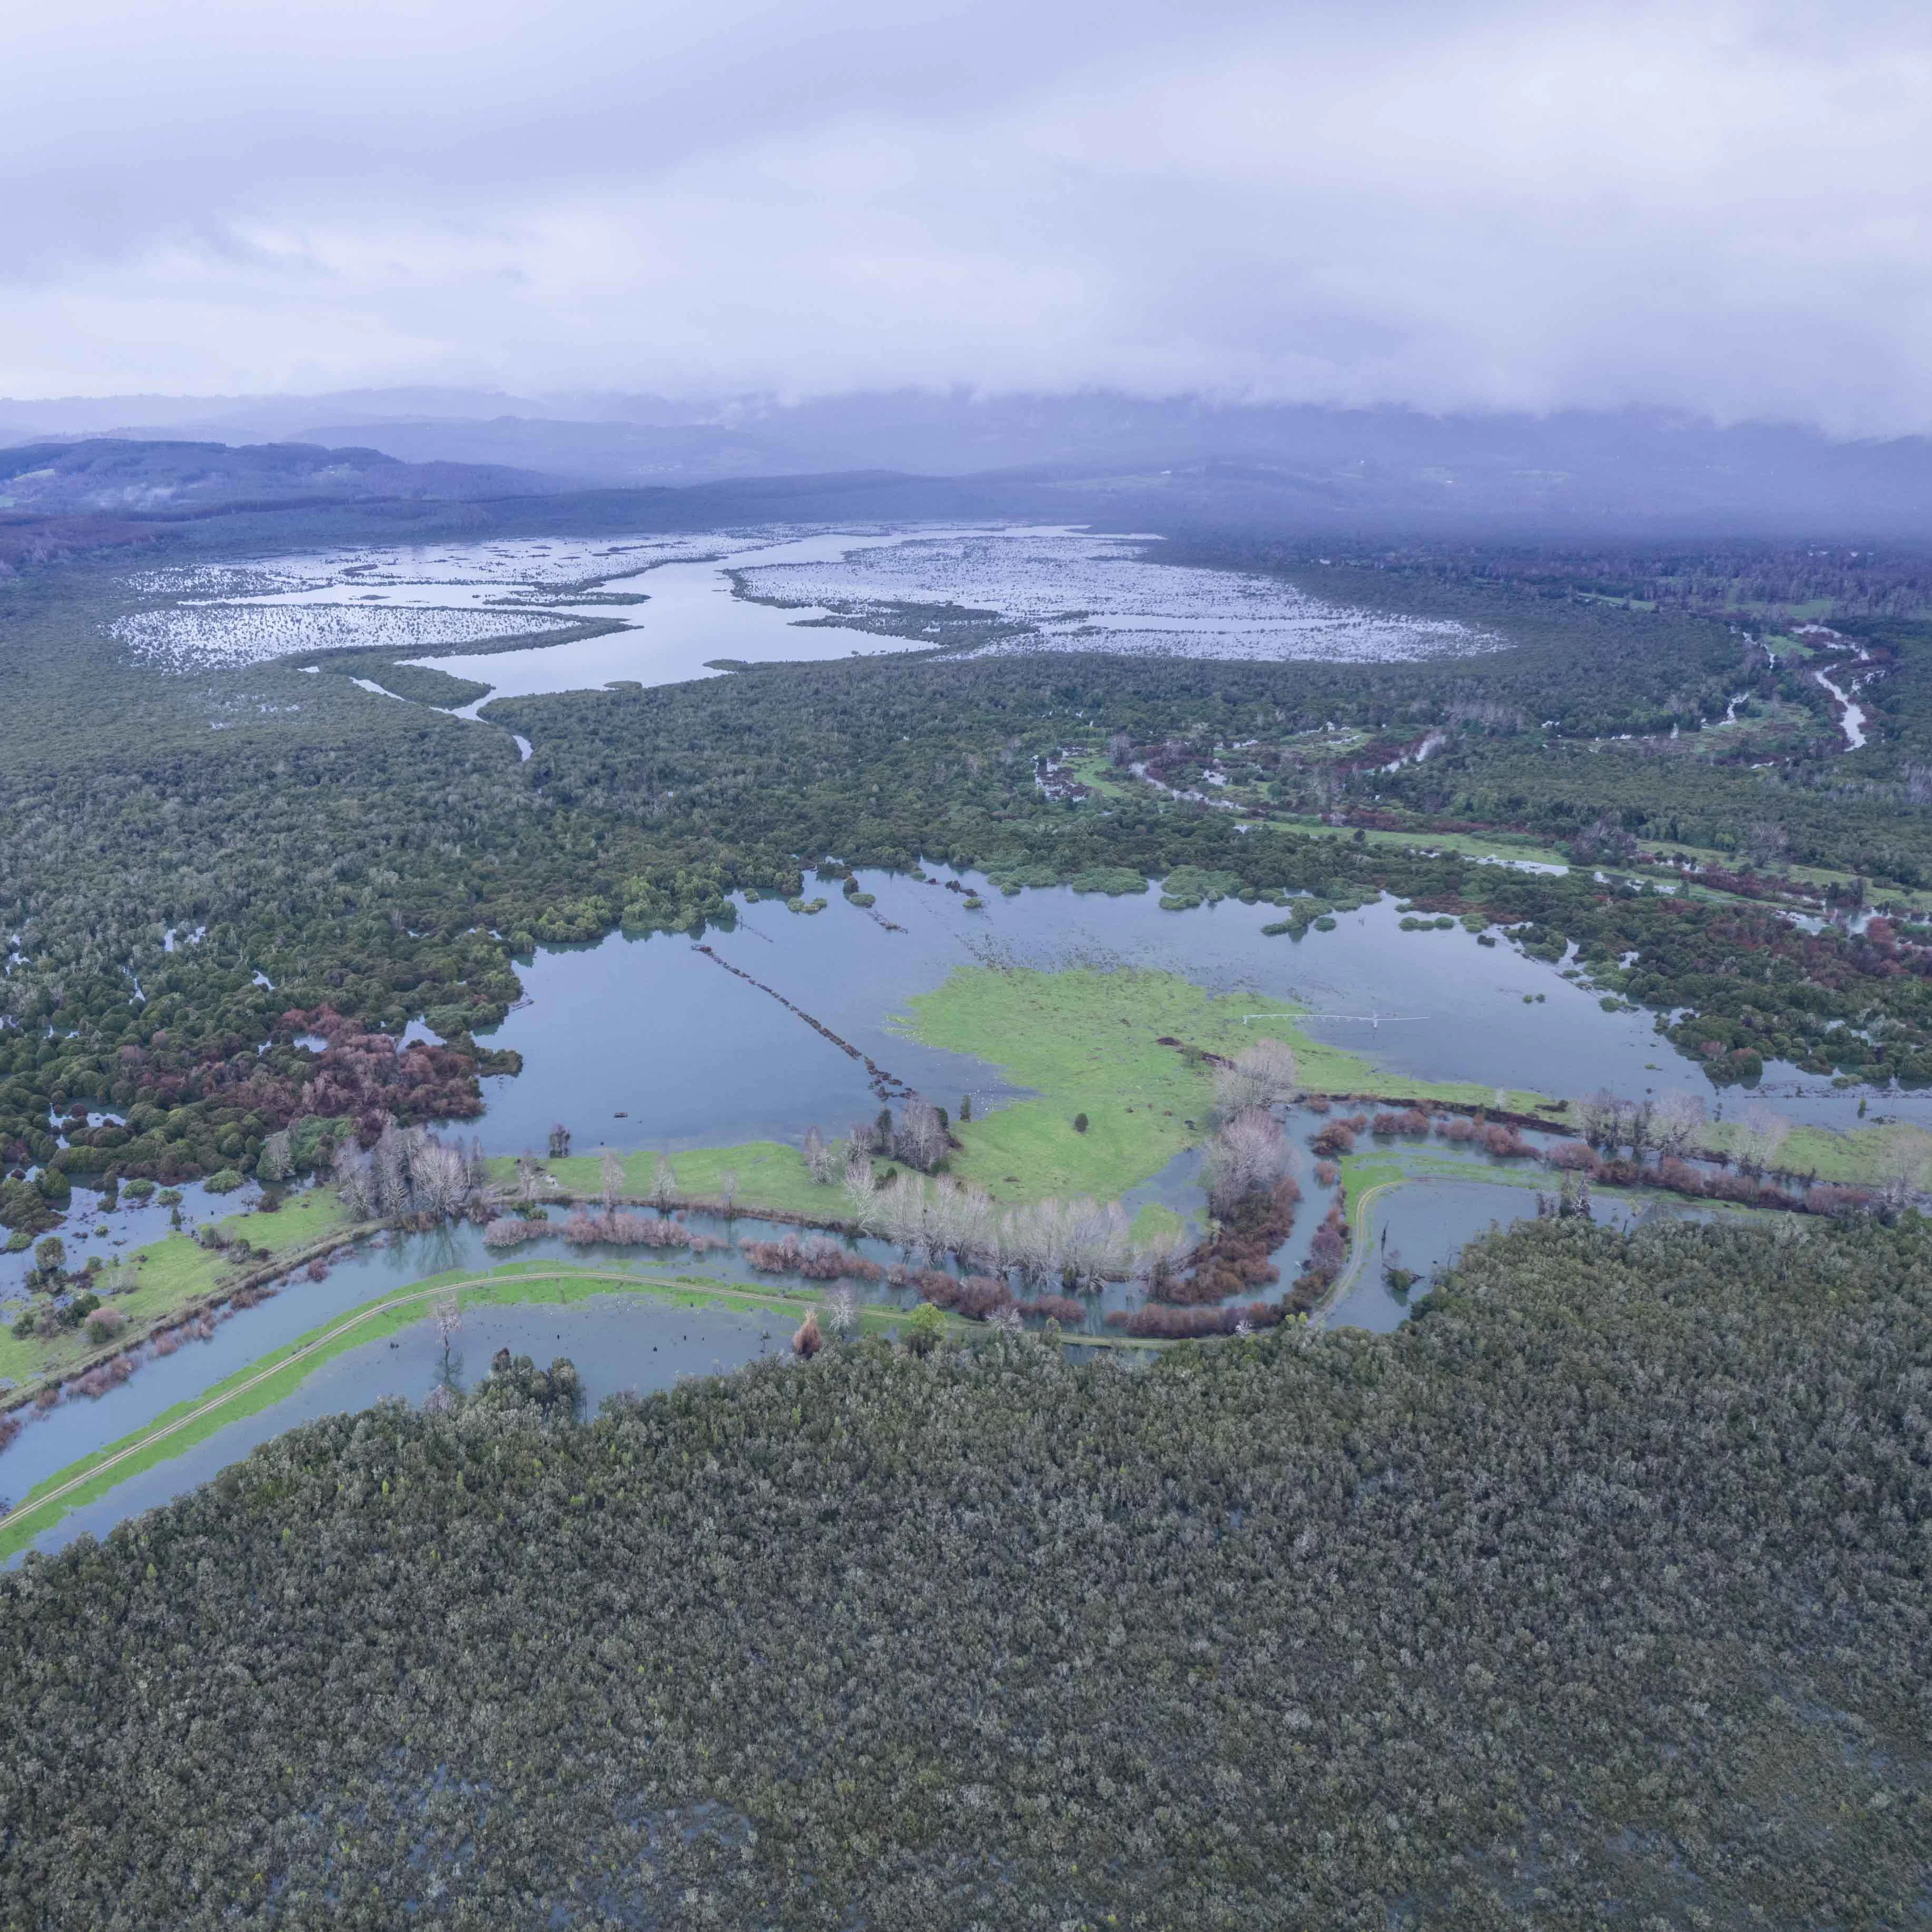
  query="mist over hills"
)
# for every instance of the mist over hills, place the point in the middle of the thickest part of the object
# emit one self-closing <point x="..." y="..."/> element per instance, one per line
<point x="1090" y="452"/>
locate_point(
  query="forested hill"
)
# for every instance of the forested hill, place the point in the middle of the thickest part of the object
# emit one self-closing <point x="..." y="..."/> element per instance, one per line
<point x="1594" y="1596"/>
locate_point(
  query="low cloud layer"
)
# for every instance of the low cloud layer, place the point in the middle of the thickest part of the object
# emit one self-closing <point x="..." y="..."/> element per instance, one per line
<point x="1720" y="209"/>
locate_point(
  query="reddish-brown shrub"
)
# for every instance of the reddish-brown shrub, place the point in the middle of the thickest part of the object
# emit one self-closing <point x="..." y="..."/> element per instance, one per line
<point x="1680" y="1176"/>
<point x="817" y="1259"/>
<point x="1829" y="1199"/>
<point x="1061" y="1308"/>
<point x="1327" y="1174"/>
<point x="1573" y="1157"/>
<point x="1181" y="1325"/>
<point x="1335" y="1139"/>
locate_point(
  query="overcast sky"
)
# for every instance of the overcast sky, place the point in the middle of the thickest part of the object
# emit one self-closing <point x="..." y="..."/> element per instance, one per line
<point x="1722" y="208"/>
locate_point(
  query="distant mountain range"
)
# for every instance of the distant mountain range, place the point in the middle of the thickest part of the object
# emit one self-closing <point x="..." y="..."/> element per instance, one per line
<point x="123" y="477"/>
<point x="1096" y="453"/>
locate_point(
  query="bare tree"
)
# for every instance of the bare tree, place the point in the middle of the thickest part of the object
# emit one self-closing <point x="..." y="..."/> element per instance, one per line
<point x="528" y="1186"/>
<point x="610" y="1173"/>
<point x="1906" y="1167"/>
<point x="1260" y="1076"/>
<point x="1760" y="1134"/>
<point x="1677" y="1123"/>
<point x="921" y="1139"/>
<point x="1599" y="1118"/>
<point x="728" y="1188"/>
<point x="821" y="1162"/>
<point x="448" y="1312"/>
<point x="664" y="1185"/>
<point x="1249" y="1155"/>
<point x="860" y="1191"/>
<point x="351" y="1183"/>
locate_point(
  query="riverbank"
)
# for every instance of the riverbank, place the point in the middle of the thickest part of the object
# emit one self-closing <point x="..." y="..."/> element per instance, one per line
<point x="282" y="1371"/>
<point x="177" y="1279"/>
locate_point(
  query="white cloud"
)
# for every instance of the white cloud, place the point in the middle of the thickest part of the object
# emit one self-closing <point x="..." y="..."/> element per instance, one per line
<point x="1718" y="207"/>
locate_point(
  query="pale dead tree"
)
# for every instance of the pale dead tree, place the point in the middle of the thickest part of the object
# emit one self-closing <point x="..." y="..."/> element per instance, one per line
<point x="1906" y="1167"/>
<point x="900" y="1212"/>
<point x="1154" y="1255"/>
<point x="611" y="1176"/>
<point x="448" y="1313"/>
<point x="664" y="1185"/>
<point x="1098" y="1247"/>
<point x="1248" y="1156"/>
<point x="921" y="1138"/>
<point x="821" y="1162"/>
<point x="1639" y="1127"/>
<point x="860" y="1192"/>
<point x="479" y="1167"/>
<point x="842" y="1309"/>
<point x="1599" y="1118"/>
<point x="975" y="1231"/>
<point x="352" y="1183"/>
<point x="1260" y="1076"/>
<point x="528" y="1185"/>
<point x="1677" y="1124"/>
<point x="1760" y="1134"/>
<point x="862" y="1141"/>
<point x="728" y="1187"/>
<point x="389" y="1176"/>
<point x="439" y="1181"/>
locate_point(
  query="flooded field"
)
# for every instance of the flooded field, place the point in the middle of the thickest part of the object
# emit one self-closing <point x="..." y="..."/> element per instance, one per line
<point x="669" y="609"/>
<point x="786" y="1022"/>
<point x="645" y="1045"/>
<point x="1078" y="589"/>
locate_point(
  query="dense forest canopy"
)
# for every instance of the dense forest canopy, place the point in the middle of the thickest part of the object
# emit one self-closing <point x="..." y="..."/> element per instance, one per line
<point x="1595" y="1596"/>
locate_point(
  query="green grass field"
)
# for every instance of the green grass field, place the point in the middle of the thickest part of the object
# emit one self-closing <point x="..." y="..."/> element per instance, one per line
<point x="1087" y="1041"/>
<point x="177" y="1274"/>
<point x="771" y="1177"/>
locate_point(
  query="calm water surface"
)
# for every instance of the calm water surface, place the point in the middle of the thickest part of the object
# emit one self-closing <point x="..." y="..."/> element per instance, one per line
<point x="650" y="1043"/>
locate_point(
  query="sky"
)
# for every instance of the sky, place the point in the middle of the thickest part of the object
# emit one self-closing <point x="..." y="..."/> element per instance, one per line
<point x="1721" y="208"/>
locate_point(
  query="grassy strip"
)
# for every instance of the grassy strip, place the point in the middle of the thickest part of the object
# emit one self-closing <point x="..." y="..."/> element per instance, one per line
<point x="174" y="1275"/>
<point x="1087" y="1041"/>
<point x="771" y="1178"/>
<point x="1855" y="1156"/>
<point x="278" y="1375"/>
